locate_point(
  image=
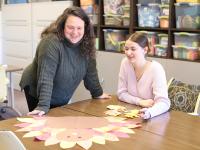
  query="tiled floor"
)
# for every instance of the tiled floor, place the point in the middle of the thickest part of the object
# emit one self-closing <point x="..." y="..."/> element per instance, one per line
<point x="20" y="102"/>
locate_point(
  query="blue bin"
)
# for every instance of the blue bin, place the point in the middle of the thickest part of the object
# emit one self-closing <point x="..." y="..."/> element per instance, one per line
<point x="148" y="15"/>
<point x="187" y="15"/>
<point x="16" y="1"/>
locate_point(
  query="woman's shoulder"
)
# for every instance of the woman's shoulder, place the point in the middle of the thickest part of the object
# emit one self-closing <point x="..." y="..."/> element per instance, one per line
<point x="156" y="64"/>
<point x="157" y="67"/>
<point x="125" y="61"/>
<point x="51" y="38"/>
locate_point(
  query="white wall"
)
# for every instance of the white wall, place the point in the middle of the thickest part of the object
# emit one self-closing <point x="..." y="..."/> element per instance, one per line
<point x="1" y="53"/>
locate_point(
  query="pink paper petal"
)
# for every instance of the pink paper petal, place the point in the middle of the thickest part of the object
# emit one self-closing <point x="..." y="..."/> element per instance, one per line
<point x="120" y="134"/>
<point x="37" y="128"/>
<point x="22" y="125"/>
<point x="43" y="137"/>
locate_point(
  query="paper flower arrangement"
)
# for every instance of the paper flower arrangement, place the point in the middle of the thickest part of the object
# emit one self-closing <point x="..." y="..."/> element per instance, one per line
<point x="116" y="110"/>
<point x="69" y="131"/>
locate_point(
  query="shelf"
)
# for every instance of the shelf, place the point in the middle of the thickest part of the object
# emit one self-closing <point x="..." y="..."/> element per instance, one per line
<point x="151" y="29"/>
<point x="114" y="27"/>
<point x="133" y="27"/>
<point x="186" y="30"/>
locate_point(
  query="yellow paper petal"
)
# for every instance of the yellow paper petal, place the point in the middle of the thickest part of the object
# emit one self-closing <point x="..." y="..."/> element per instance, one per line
<point x="85" y="144"/>
<point x="33" y="134"/>
<point x="24" y="129"/>
<point x="65" y="144"/>
<point x="106" y="129"/>
<point x="126" y="130"/>
<point x="51" y="141"/>
<point x="98" y="139"/>
<point x="133" y="126"/>
<point x="116" y="107"/>
<point x="28" y="120"/>
<point x="110" y="137"/>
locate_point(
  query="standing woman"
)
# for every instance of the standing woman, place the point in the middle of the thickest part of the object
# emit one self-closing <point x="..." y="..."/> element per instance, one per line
<point x="142" y="82"/>
<point x="64" y="57"/>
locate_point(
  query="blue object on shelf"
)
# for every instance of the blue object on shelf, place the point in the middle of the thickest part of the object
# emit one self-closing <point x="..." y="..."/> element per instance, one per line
<point x="16" y="1"/>
<point x="148" y="15"/>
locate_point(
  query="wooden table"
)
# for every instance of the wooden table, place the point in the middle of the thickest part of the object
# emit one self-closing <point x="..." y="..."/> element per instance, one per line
<point x="170" y="131"/>
<point x="10" y="69"/>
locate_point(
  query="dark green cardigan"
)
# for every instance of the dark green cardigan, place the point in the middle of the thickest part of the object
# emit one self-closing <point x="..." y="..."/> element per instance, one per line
<point x="57" y="70"/>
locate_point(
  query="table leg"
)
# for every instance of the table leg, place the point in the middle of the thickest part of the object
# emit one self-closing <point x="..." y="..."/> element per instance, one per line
<point x="11" y="91"/>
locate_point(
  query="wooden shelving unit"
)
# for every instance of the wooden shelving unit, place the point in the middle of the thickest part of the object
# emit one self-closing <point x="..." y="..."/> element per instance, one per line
<point x="134" y="26"/>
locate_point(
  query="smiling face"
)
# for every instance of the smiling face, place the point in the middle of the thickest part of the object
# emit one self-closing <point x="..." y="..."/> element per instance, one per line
<point x="134" y="52"/>
<point x="74" y="29"/>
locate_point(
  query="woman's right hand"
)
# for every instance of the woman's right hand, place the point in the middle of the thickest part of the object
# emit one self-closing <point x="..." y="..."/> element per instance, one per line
<point x="36" y="112"/>
<point x="146" y="103"/>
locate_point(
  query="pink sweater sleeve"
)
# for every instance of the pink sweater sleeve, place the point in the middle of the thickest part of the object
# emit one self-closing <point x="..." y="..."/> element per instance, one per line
<point x="122" y="92"/>
<point x="160" y="92"/>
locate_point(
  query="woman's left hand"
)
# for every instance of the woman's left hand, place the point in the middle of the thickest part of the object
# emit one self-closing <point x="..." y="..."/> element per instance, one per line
<point x="104" y="96"/>
<point x="144" y="113"/>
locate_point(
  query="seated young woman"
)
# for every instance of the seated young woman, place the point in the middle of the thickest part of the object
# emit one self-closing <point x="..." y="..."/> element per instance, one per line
<point x="142" y="82"/>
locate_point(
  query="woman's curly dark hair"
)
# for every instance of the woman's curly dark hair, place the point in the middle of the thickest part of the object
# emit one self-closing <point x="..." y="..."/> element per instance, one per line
<point x="57" y="27"/>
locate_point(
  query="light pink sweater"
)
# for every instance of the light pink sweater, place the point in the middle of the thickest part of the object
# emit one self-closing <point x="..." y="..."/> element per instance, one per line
<point x="152" y="85"/>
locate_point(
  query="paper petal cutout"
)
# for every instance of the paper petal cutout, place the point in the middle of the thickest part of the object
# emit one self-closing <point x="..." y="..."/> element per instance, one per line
<point x="43" y="137"/>
<point x="22" y="125"/>
<point x="32" y="134"/>
<point x="24" y="129"/>
<point x="27" y="120"/>
<point x="134" y="126"/>
<point x="99" y="139"/>
<point x="126" y="130"/>
<point x="116" y="107"/>
<point x="85" y="144"/>
<point x="110" y="137"/>
<point x="51" y="141"/>
<point x="120" y="134"/>
<point x="112" y="112"/>
<point x="65" y="144"/>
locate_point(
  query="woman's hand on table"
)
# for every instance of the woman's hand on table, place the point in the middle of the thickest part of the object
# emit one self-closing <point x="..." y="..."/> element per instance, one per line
<point x="36" y="112"/>
<point x="104" y="96"/>
<point x="144" y="113"/>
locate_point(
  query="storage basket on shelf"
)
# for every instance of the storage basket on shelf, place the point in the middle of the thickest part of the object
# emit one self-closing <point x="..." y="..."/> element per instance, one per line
<point x="187" y="39"/>
<point x="148" y="1"/>
<point x="126" y="10"/>
<point x="163" y="39"/>
<point x="187" y="15"/>
<point x="165" y="1"/>
<point x="188" y="1"/>
<point x="126" y="20"/>
<point x="164" y="10"/>
<point x="91" y="9"/>
<point x="148" y="15"/>
<point x="112" y="19"/>
<point x="113" y="6"/>
<point x="184" y="52"/>
<point x="160" y="50"/>
<point x="114" y="39"/>
<point x="164" y="21"/>
<point x="153" y="40"/>
<point x="86" y="2"/>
